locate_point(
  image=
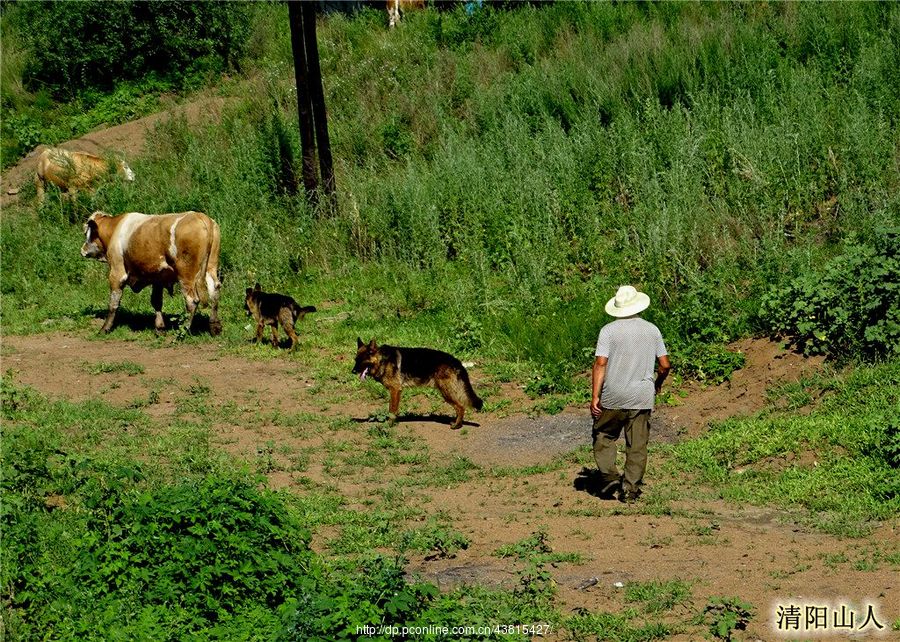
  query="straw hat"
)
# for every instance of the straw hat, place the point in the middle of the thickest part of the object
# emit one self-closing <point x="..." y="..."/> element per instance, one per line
<point x="627" y="301"/>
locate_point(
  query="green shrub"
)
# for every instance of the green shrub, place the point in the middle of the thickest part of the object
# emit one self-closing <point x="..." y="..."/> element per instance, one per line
<point x="79" y="45"/>
<point x="725" y="615"/>
<point x="850" y="307"/>
<point x="91" y="550"/>
<point x="374" y="593"/>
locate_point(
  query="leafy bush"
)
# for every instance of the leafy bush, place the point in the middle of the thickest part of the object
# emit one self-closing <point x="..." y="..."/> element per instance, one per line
<point x="848" y="308"/>
<point x="372" y="594"/>
<point x="90" y="548"/>
<point x="725" y="615"/>
<point x="82" y="44"/>
<point x="210" y="546"/>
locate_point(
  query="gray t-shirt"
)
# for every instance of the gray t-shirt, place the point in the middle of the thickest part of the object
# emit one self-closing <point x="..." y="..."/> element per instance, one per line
<point x="632" y="346"/>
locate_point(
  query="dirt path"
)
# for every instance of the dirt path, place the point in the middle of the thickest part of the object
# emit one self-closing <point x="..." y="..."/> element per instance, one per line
<point x="722" y="549"/>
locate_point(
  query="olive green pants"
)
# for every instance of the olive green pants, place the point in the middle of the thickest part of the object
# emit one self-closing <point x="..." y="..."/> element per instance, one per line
<point x="607" y="428"/>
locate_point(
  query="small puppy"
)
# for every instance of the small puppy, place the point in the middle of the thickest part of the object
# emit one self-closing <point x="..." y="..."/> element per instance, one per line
<point x="271" y="309"/>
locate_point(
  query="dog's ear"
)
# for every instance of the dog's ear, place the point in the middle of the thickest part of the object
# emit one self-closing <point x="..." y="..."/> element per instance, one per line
<point x="372" y="344"/>
<point x="256" y="287"/>
<point x="249" y="291"/>
<point x="359" y="343"/>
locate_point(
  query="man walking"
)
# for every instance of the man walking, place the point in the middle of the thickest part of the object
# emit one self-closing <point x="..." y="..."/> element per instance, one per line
<point x="623" y="387"/>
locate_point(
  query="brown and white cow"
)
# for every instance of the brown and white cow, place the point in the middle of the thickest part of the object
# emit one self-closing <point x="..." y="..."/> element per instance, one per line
<point x="72" y="171"/>
<point x="396" y="8"/>
<point x="158" y="250"/>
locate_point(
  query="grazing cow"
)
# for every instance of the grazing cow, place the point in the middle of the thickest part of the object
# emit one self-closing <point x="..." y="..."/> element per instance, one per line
<point x="158" y="250"/>
<point x="396" y="7"/>
<point x="71" y="171"/>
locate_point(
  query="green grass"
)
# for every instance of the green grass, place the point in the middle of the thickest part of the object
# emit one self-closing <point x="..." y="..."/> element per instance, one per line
<point x="127" y="504"/>
<point x="103" y="367"/>
<point x="658" y="596"/>
<point x="495" y="231"/>
<point x="838" y="462"/>
<point x="536" y="549"/>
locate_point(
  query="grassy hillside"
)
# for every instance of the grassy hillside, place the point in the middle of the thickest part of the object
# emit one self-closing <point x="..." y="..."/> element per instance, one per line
<point x="500" y="174"/>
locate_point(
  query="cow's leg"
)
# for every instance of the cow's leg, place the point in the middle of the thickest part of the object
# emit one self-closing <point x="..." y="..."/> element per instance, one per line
<point x="115" y="296"/>
<point x="156" y="300"/>
<point x="393" y="12"/>
<point x="191" y="302"/>
<point x="117" y="277"/>
<point x="213" y="285"/>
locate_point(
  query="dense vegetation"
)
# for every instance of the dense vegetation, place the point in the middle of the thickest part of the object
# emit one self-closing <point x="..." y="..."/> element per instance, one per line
<point x="107" y="538"/>
<point x="67" y="68"/>
<point x="500" y="173"/>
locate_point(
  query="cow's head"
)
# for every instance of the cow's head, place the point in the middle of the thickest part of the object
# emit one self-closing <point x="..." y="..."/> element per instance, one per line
<point x="126" y="171"/>
<point x="94" y="247"/>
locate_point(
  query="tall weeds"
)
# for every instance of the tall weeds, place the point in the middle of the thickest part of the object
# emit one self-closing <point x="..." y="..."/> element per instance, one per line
<point x="501" y="173"/>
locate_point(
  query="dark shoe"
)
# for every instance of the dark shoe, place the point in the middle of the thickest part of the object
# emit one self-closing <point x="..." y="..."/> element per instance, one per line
<point x="629" y="496"/>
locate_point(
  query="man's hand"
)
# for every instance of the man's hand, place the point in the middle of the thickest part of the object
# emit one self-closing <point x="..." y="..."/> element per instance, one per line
<point x="598" y="373"/>
<point x="662" y="371"/>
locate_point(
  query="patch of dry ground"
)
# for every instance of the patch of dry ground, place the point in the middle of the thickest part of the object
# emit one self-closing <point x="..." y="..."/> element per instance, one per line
<point x="757" y="554"/>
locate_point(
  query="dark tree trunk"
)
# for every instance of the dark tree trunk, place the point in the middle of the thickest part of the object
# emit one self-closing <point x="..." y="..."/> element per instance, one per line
<point x="317" y="97"/>
<point x="304" y="105"/>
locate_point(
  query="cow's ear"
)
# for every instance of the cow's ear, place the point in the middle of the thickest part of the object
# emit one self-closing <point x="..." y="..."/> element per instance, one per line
<point x="359" y="343"/>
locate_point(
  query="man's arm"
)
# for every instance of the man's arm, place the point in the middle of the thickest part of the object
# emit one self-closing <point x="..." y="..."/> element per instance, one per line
<point x="597" y="376"/>
<point x="662" y="371"/>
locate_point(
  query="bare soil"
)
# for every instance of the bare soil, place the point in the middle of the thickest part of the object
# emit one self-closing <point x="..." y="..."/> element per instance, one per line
<point x="758" y="554"/>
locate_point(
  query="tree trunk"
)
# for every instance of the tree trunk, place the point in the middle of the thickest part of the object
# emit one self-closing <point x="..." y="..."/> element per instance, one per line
<point x="304" y="104"/>
<point x="317" y="97"/>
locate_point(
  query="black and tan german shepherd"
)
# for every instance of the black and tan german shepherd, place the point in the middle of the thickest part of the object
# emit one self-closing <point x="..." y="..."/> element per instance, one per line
<point x="271" y="309"/>
<point x="395" y="368"/>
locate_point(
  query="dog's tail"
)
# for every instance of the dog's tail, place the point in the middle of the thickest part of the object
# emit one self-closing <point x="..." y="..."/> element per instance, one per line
<point x="300" y="312"/>
<point x="474" y="400"/>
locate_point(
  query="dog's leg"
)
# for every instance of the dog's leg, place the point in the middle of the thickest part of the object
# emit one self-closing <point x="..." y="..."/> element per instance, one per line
<point x="287" y="321"/>
<point x="260" y="326"/>
<point x="275" y="335"/>
<point x="460" y="411"/>
<point x="395" y="404"/>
